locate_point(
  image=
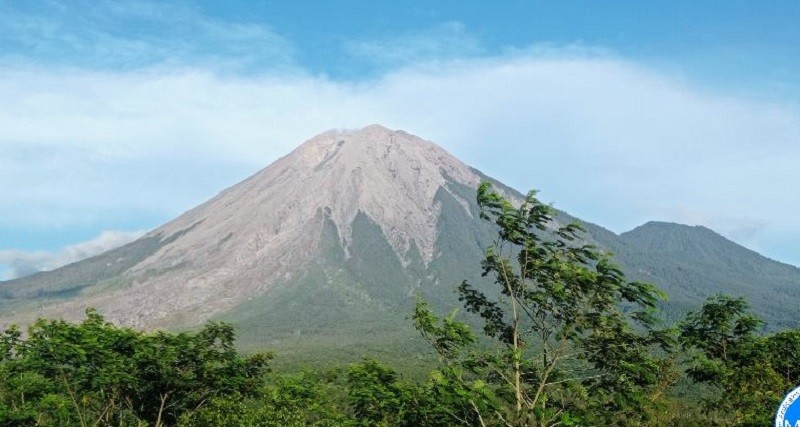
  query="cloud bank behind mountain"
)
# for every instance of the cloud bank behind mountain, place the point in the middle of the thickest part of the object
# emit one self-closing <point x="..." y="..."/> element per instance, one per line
<point x="23" y="263"/>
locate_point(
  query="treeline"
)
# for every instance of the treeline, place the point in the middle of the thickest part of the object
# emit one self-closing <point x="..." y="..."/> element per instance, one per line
<point x="96" y="374"/>
<point x="566" y="340"/>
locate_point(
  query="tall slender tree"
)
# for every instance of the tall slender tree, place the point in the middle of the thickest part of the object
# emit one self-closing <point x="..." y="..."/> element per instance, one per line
<point x="567" y="340"/>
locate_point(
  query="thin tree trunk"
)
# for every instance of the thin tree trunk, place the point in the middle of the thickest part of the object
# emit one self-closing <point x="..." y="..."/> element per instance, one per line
<point x="161" y="409"/>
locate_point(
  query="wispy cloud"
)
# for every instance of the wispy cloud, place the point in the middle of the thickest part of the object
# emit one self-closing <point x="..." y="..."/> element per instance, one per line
<point x="127" y="35"/>
<point x="444" y="41"/>
<point x="23" y="263"/>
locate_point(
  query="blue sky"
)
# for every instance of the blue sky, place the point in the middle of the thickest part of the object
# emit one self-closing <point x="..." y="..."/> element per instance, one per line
<point x="117" y="116"/>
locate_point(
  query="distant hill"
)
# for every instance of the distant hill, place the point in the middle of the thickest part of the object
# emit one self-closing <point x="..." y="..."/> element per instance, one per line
<point x="326" y="247"/>
<point x="691" y="262"/>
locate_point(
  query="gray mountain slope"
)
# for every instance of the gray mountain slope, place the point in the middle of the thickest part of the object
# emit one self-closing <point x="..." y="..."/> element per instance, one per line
<point x="326" y="248"/>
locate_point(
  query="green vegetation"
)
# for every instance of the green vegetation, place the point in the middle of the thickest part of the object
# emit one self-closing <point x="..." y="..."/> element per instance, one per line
<point x="751" y="373"/>
<point x="94" y="373"/>
<point x="561" y="350"/>
<point x="553" y="335"/>
<point x="694" y="263"/>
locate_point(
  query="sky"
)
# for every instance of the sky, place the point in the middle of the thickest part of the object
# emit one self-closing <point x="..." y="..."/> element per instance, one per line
<point x="116" y="117"/>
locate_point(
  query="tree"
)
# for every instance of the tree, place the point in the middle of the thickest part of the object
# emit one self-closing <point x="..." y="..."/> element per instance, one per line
<point x="566" y="339"/>
<point x="94" y="373"/>
<point x="303" y="399"/>
<point x="751" y="372"/>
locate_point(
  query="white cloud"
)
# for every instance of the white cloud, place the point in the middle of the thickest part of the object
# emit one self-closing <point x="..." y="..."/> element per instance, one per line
<point x="443" y="41"/>
<point x="23" y="263"/>
<point x="607" y="139"/>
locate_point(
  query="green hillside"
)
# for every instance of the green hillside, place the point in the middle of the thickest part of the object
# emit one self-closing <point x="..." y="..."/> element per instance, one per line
<point x="691" y="263"/>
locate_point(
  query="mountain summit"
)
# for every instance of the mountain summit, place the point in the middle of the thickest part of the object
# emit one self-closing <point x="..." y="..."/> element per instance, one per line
<point x="266" y="228"/>
<point x="335" y="238"/>
<point x="264" y="231"/>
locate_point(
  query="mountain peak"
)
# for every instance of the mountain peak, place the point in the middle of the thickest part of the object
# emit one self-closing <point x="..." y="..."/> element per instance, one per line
<point x="369" y="144"/>
<point x="258" y="233"/>
<point x="666" y="229"/>
<point x="391" y="176"/>
<point x="674" y="227"/>
<point x="691" y="242"/>
<point x="375" y="129"/>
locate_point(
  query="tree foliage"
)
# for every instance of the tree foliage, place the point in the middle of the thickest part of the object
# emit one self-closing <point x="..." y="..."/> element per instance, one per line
<point x="751" y="372"/>
<point x="568" y="341"/>
<point x="94" y="373"/>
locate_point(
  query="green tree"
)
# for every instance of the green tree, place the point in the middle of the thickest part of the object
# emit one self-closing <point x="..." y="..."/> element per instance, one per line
<point x="567" y="340"/>
<point x="378" y="396"/>
<point x="94" y="373"/>
<point x="304" y="399"/>
<point x="751" y="372"/>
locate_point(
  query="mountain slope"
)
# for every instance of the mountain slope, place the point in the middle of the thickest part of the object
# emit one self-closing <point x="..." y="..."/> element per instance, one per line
<point x="266" y="231"/>
<point x="326" y="247"/>
<point x="693" y="262"/>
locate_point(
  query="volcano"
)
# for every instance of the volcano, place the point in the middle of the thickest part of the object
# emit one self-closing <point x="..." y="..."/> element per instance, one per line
<point x="328" y="245"/>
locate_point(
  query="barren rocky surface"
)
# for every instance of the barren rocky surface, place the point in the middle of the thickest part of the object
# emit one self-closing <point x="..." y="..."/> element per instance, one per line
<point x="260" y="232"/>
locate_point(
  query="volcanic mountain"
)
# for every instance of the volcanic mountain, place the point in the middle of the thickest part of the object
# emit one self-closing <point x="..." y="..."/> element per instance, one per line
<point x="333" y="240"/>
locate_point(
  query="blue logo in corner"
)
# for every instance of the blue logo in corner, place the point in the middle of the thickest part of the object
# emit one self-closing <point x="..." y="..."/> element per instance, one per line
<point x="789" y="412"/>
